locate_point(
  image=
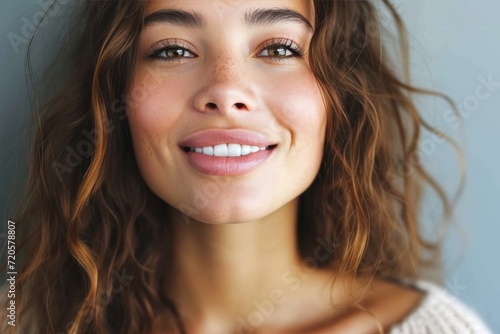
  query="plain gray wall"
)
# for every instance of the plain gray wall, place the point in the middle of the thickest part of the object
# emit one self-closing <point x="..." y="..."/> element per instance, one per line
<point x="455" y="48"/>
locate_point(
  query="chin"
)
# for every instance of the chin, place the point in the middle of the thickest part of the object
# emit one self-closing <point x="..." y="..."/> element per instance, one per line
<point x="229" y="214"/>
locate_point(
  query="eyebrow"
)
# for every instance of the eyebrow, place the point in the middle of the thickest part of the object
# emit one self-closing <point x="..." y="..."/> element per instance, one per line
<point x="176" y="17"/>
<point x="253" y="17"/>
<point x="275" y="15"/>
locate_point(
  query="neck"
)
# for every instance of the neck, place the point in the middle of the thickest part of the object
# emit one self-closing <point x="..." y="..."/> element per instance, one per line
<point x="221" y="271"/>
<point x="233" y="278"/>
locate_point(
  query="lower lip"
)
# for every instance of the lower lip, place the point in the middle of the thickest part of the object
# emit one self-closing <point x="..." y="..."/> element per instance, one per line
<point x="227" y="166"/>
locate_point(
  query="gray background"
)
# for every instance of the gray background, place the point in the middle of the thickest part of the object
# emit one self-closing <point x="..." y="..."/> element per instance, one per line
<point x="455" y="47"/>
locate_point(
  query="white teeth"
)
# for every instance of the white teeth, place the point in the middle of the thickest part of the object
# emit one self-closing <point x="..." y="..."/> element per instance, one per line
<point x="209" y="150"/>
<point x="220" y="150"/>
<point x="245" y="149"/>
<point x="234" y="150"/>
<point x="227" y="150"/>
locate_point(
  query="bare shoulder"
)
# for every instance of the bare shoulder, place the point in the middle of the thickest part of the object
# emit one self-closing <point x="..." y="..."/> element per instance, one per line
<point x="391" y="302"/>
<point x="385" y="304"/>
<point x="385" y="293"/>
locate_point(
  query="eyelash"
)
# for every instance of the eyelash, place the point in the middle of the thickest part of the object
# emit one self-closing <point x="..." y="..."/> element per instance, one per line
<point x="288" y="44"/>
<point x="163" y="46"/>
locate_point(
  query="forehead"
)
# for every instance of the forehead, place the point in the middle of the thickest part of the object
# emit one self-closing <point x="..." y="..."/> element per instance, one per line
<point x="228" y="10"/>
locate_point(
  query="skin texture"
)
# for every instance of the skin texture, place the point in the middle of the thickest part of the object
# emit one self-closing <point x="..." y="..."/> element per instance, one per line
<point x="237" y="245"/>
<point x="279" y="99"/>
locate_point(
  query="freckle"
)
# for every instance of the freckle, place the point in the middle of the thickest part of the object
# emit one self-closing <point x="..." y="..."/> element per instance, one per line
<point x="150" y="151"/>
<point x="223" y="69"/>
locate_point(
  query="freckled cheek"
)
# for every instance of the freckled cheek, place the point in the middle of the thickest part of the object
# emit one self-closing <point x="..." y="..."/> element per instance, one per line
<point x="155" y="113"/>
<point x="300" y="107"/>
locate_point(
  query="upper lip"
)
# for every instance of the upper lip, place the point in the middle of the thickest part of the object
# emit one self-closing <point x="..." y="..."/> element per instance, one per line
<point x="212" y="137"/>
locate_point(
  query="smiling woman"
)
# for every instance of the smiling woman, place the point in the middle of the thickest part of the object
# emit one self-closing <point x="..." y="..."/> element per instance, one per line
<point x="265" y="177"/>
<point x="212" y="94"/>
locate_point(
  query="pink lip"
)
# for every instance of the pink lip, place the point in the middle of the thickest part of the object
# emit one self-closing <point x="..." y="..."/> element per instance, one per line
<point x="226" y="166"/>
<point x="214" y="137"/>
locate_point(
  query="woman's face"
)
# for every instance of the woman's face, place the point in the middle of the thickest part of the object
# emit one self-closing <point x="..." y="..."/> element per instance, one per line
<point x="218" y="72"/>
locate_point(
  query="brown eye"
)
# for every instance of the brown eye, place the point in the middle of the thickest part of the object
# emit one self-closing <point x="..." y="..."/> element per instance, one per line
<point x="276" y="51"/>
<point x="172" y="53"/>
<point x="281" y="49"/>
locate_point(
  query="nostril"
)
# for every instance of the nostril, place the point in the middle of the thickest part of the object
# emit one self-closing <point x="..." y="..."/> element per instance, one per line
<point x="240" y="105"/>
<point x="211" y="105"/>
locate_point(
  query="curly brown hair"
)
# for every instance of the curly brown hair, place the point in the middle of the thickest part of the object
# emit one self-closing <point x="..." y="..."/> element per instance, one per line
<point x="93" y="240"/>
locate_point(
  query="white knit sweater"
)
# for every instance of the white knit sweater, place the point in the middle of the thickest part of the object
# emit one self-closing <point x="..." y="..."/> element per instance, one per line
<point x="440" y="313"/>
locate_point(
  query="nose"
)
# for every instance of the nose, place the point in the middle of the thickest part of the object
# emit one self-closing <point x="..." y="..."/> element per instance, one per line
<point x="226" y="87"/>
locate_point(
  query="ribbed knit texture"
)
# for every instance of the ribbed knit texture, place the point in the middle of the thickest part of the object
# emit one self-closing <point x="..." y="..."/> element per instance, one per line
<point x="440" y="313"/>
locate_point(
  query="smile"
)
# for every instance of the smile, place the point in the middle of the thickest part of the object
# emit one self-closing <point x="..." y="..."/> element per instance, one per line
<point x="228" y="150"/>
